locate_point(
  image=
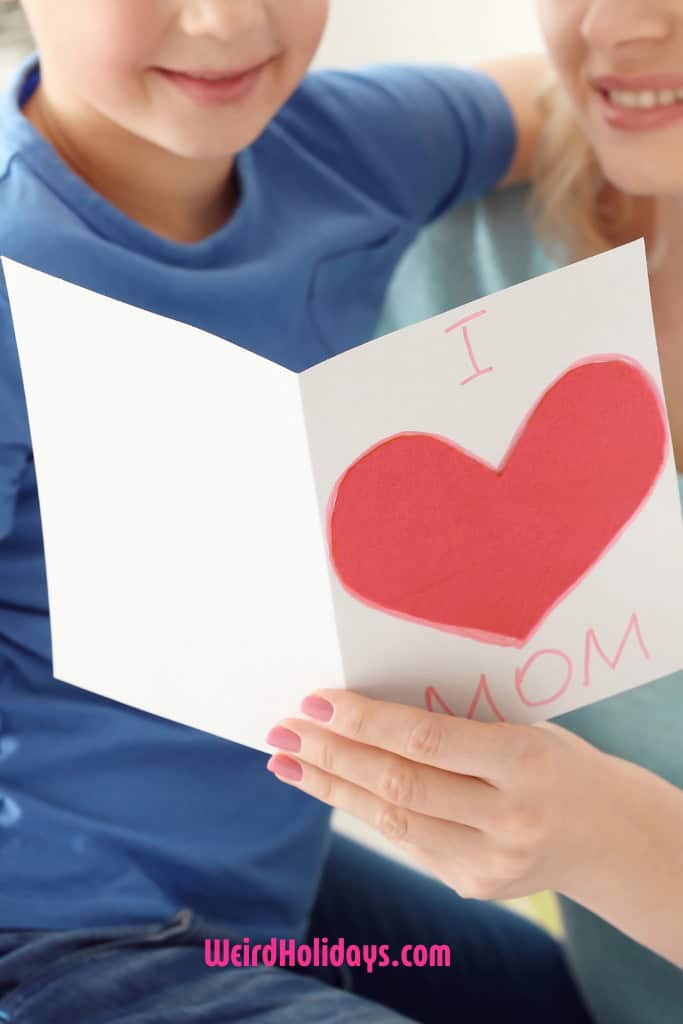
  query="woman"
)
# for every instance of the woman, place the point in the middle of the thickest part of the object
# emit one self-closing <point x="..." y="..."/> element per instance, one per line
<point x="590" y="806"/>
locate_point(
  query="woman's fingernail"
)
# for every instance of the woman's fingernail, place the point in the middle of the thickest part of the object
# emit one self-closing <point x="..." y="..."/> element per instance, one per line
<point x="285" y="738"/>
<point x="317" y="707"/>
<point x="285" y="766"/>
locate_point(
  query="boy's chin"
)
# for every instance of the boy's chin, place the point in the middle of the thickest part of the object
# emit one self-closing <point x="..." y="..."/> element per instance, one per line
<point x="210" y="145"/>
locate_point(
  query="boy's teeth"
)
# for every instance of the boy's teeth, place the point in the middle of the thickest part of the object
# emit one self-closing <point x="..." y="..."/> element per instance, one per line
<point x="647" y="99"/>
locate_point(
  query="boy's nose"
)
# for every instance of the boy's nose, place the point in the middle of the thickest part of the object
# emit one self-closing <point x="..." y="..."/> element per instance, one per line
<point x="223" y="19"/>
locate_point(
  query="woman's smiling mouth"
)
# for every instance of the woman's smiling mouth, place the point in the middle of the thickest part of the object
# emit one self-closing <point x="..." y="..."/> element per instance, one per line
<point x="640" y="102"/>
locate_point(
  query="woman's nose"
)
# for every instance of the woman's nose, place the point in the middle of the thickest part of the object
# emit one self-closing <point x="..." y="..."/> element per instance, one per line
<point x="610" y="24"/>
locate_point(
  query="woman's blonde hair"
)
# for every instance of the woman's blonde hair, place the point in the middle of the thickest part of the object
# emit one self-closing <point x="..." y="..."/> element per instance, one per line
<point x="577" y="212"/>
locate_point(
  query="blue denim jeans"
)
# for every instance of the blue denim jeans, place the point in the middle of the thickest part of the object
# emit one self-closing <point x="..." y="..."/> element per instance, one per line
<point x="156" y="974"/>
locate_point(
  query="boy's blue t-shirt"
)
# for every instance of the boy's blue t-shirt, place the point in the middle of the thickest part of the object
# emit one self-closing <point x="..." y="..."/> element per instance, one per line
<point x="108" y="814"/>
<point x="470" y="252"/>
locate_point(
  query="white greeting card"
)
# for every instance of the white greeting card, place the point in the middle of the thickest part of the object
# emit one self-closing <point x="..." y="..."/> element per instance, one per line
<point x="478" y="514"/>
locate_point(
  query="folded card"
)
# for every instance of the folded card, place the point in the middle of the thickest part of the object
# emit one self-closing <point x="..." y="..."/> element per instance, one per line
<point x="478" y="514"/>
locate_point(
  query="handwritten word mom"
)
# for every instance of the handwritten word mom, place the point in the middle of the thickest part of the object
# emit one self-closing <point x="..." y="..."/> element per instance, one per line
<point x="553" y="659"/>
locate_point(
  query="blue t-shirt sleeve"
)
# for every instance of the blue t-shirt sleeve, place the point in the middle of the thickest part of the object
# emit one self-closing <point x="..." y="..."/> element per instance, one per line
<point x="416" y="138"/>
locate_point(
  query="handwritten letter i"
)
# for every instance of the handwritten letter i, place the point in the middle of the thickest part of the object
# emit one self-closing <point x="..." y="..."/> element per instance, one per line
<point x="462" y="324"/>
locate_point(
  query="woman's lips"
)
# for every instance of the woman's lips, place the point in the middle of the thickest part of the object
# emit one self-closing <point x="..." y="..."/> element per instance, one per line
<point x="643" y="108"/>
<point x="638" y="83"/>
<point x="638" y="118"/>
<point x="214" y="92"/>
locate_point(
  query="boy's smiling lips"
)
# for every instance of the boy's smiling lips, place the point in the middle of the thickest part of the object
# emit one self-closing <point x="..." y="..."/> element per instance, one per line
<point x="213" y="90"/>
<point x="213" y="73"/>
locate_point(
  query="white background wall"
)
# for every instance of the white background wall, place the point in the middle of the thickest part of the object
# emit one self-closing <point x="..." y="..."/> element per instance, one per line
<point x="463" y="31"/>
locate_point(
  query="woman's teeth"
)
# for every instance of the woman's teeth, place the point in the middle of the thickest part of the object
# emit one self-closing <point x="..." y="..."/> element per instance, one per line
<point x="646" y="100"/>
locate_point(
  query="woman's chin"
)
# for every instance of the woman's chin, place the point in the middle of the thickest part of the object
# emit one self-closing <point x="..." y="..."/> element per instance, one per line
<point x="647" y="181"/>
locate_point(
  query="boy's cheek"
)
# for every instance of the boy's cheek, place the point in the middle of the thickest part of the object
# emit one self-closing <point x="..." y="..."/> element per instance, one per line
<point x="300" y="26"/>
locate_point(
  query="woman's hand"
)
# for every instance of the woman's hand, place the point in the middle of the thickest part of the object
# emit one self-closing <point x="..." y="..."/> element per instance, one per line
<point x="493" y="810"/>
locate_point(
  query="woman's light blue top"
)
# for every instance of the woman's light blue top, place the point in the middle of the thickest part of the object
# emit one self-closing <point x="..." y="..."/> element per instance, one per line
<point x="470" y="252"/>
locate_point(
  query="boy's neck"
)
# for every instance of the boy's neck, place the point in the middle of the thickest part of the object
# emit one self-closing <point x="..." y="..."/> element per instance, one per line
<point x="177" y="198"/>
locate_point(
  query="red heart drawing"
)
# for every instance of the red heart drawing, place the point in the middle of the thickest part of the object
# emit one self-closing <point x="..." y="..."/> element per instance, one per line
<point x="421" y="529"/>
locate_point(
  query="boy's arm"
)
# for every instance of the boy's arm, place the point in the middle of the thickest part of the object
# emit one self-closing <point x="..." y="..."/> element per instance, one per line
<point x="418" y="139"/>
<point x="521" y="79"/>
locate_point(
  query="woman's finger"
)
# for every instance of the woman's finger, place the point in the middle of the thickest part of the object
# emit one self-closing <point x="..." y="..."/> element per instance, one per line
<point x="488" y="750"/>
<point x="397" y="824"/>
<point x="406" y="784"/>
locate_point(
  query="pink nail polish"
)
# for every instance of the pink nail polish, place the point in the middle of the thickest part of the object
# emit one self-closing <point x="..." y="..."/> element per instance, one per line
<point x="287" y="767"/>
<point x="317" y="707"/>
<point x="284" y="738"/>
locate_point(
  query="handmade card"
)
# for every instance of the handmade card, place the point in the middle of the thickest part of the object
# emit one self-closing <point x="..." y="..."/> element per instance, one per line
<point x="478" y="514"/>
